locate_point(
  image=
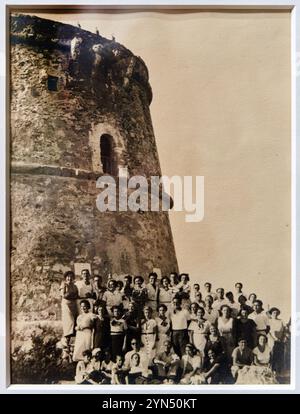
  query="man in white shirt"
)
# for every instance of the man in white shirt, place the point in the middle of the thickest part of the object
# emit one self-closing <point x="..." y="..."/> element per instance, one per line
<point x="221" y="300"/>
<point x="136" y="349"/>
<point x="260" y="318"/>
<point x="208" y="291"/>
<point x="180" y="320"/>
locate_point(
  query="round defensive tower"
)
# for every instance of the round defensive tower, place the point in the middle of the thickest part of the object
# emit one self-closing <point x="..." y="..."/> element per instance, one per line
<point x="79" y="110"/>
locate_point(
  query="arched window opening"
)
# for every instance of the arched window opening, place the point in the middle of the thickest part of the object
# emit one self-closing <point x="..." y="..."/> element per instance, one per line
<point x="107" y="154"/>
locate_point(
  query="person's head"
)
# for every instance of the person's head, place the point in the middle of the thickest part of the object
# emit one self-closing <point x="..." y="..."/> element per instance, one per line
<point x="211" y="354"/>
<point x="162" y="310"/>
<point x="119" y="285"/>
<point x="174" y="278"/>
<point x="207" y="286"/>
<point x="229" y="296"/>
<point x="238" y="286"/>
<point x="189" y="349"/>
<point x="138" y="281"/>
<point x="128" y="280"/>
<point x="242" y="300"/>
<point x="274" y="312"/>
<point x="111" y="285"/>
<point x="147" y="312"/>
<point x="225" y="311"/>
<point x="85" y="306"/>
<point x="220" y="293"/>
<point x="69" y="277"/>
<point x="209" y="301"/>
<point x="85" y="275"/>
<point x="101" y="310"/>
<point x="119" y="360"/>
<point x="152" y="278"/>
<point x="131" y="307"/>
<point x="196" y="287"/>
<point x="96" y="354"/>
<point x="242" y="343"/>
<point x="165" y="281"/>
<point x="98" y="280"/>
<point x="213" y="330"/>
<point x="87" y="355"/>
<point x="200" y="313"/>
<point x="262" y="340"/>
<point x="243" y="313"/>
<point x="184" y="278"/>
<point x="167" y="345"/>
<point x="135" y="344"/>
<point x="107" y="355"/>
<point x="116" y="311"/>
<point x="258" y="306"/>
<point x="135" y="359"/>
<point x="198" y="296"/>
<point x="252" y="297"/>
<point x="194" y="307"/>
<point x="176" y="302"/>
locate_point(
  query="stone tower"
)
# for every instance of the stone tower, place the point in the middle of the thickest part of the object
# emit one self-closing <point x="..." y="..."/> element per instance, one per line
<point x="79" y="109"/>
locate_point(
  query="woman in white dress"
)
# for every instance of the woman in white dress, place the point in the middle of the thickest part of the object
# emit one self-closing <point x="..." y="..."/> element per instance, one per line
<point x="163" y="326"/>
<point x="191" y="366"/>
<point x="84" y="331"/>
<point x="199" y="331"/>
<point x="149" y="333"/>
<point x="227" y="329"/>
<point x="69" y="294"/>
<point x="276" y="339"/>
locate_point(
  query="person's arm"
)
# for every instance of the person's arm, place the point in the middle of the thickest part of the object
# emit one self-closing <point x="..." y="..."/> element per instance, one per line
<point x="125" y="336"/>
<point x="235" y="361"/>
<point x="191" y="336"/>
<point x="155" y="329"/>
<point x="213" y="369"/>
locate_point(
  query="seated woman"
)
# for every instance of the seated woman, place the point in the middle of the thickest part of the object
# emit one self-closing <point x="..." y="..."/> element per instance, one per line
<point x="137" y="373"/>
<point x="242" y="357"/>
<point x="95" y="374"/>
<point x="215" y="342"/>
<point x="84" y="368"/>
<point x="261" y="372"/>
<point x="119" y="372"/>
<point x="214" y="368"/>
<point x="191" y="366"/>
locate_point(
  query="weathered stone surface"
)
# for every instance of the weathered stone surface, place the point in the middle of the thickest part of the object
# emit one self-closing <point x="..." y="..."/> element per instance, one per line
<point x="55" y="154"/>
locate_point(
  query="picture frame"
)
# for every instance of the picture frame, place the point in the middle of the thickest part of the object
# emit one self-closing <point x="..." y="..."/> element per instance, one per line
<point x="293" y="7"/>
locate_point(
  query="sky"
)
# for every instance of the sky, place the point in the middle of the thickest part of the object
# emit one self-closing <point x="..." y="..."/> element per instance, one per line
<point x="221" y="110"/>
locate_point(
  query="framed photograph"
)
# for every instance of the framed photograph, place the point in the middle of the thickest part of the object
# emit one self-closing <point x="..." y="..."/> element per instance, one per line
<point x="151" y="200"/>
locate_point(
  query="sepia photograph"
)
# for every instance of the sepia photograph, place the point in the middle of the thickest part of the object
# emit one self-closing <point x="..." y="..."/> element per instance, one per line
<point x="150" y="197"/>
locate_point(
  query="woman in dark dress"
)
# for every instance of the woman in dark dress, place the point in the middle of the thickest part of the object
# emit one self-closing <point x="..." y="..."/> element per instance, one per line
<point x="101" y="328"/>
<point x="139" y="295"/>
<point x="246" y="328"/>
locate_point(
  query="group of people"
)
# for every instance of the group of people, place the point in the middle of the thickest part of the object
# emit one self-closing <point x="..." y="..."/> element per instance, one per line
<point x="168" y="331"/>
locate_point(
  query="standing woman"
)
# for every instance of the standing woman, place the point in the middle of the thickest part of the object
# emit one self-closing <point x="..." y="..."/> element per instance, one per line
<point x="246" y="328"/>
<point x="163" y="327"/>
<point x="139" y="295"/>
<point x="84" y="331"/>
<point x="165" y="294"/>
<point x="101" y="328"/>
<point x="198" y="331"/>
<point x="251" y="299"/>
<point x="152" y="290"/>
<point x="275" y="339"/>
<point x="69" y="294"/>
<point x="227" y="328"/>
<point x="149" y="333"/>
<point x="118" y="330"/>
